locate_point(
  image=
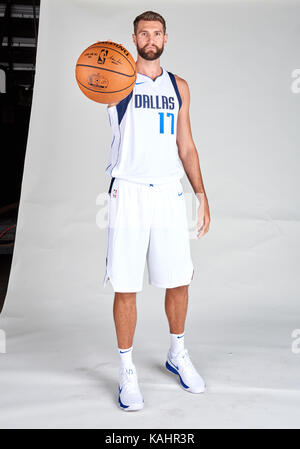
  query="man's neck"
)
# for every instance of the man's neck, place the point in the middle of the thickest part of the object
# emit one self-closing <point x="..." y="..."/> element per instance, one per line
<point x="149" y="68"/>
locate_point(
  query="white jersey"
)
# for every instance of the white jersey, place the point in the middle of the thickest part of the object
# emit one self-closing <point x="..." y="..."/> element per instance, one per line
<point x="144" y="125"/>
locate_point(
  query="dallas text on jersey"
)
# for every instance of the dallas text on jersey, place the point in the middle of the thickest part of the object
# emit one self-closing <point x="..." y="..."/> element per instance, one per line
<point x="153" y="102"/>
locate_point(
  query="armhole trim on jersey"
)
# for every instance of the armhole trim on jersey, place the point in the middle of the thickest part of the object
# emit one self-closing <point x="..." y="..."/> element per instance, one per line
<point x="174" y="82"/>
<point x="111" y="184"/>
<point x="122" y="106"/>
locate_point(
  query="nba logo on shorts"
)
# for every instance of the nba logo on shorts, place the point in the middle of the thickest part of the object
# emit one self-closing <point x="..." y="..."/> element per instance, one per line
<point x="115" y="193"/>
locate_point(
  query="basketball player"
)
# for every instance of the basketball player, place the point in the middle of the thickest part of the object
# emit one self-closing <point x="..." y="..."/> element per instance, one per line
<point x="152" y="147"/>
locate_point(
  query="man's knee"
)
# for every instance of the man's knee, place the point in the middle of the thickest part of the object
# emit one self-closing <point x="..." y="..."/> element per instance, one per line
<point x="125" y="297"/>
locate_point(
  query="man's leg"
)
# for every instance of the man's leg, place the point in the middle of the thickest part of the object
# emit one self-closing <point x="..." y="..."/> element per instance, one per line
<point x="127" y="244"/>
<point x="124" y="311"/>
<point x="176" y="304"/>
<point x="178" y="360"/>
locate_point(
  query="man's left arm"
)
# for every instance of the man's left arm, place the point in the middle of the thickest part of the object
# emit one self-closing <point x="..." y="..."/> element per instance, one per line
<point x="189" y="157"/>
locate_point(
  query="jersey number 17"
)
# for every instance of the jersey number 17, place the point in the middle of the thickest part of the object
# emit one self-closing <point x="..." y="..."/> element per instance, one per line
<point x="162" y="122"/>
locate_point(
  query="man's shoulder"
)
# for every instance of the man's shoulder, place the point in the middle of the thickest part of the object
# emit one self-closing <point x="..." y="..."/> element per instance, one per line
<point x="182" y="84"/>
<point x="179" y="79"/>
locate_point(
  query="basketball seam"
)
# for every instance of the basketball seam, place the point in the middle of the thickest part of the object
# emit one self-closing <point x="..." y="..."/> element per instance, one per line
<point x="107" y="70"/>
<point x="100" y="92"/>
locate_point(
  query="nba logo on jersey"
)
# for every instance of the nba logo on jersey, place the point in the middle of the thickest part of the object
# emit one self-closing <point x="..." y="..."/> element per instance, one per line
<point x="115" y="193"/>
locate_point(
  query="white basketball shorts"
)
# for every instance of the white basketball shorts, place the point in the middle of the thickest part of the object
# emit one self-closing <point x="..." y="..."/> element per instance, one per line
<point x="147" y="222"/>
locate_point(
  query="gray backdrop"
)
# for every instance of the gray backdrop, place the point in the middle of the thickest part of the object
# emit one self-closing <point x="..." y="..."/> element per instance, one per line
<point x="241" y="60"/>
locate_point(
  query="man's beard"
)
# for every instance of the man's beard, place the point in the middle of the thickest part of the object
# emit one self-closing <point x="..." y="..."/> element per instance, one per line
<point x="150" y="55"/>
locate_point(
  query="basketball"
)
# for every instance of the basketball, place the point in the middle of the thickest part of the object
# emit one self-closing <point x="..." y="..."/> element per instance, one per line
<point x="106" y="72"/>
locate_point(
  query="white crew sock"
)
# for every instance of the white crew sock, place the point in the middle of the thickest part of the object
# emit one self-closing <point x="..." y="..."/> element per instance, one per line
<point x="126" y="357"/>
<point x="177" y="344"/>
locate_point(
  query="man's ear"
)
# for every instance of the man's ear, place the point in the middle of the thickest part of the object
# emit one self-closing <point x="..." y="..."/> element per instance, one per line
<point x="166" y="38"/>
<point x="134" y="38"/>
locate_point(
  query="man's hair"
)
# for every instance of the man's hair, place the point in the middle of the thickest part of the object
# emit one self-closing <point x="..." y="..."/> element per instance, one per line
<point x="150" y="16"/>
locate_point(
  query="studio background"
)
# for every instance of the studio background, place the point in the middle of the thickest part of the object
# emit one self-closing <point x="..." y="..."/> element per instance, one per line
<point x="61" y="365"/>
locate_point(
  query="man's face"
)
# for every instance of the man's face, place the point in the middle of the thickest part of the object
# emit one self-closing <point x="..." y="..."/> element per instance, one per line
<point x="150" y="39"/>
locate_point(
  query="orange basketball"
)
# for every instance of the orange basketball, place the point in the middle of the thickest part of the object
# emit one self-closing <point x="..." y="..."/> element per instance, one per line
<point x="106" y="72"/>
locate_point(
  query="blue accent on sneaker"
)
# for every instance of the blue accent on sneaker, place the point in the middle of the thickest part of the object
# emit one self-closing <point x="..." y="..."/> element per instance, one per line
<point x="140" y="83"/>
<point x="151" y="185"/>
<point x="174" y="365"/>
<point x="123" y="352"/>
<point x="121" y="404"/>
<point x="170" y="368"/>
<point x="180" y="336"/>
<point x="180" y="193"/>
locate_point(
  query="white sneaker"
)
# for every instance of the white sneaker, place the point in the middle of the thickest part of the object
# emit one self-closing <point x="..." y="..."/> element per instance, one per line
<point x="130" y="396"/>
<point x="189" y="377"/>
